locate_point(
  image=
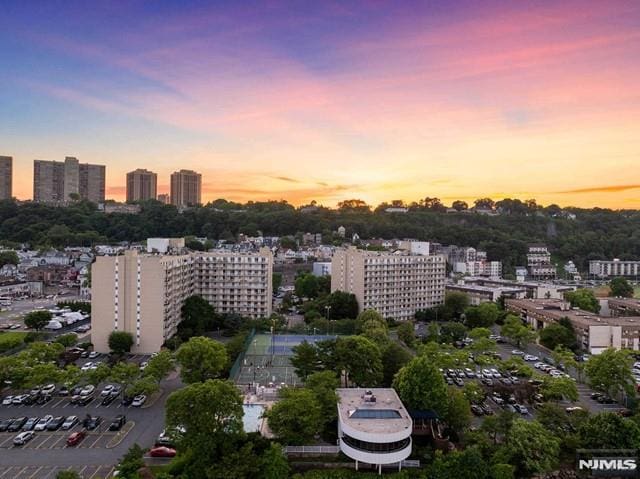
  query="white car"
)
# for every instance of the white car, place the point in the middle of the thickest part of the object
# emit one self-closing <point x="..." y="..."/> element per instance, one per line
<point x="496" y="373"/>
<point x="48" y="389"/>
<point x="23" y="438"/>
<point x="93" y="354"/>
<point x="530" y="357"/>
<point x="6" y="401"/>
<point x="143" y="365"/>
<point x="42" y="424"/>
<point x="86" y="366"/>
<point x="69" y="423"/>
<point x="107" y="390"/>
<point x="517" y="352"/>
<point x="139" y="400"/>
<point x="87" y="390"/>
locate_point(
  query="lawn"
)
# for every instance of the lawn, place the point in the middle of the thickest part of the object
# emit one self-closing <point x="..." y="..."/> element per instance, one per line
<point x="11" y="339"/>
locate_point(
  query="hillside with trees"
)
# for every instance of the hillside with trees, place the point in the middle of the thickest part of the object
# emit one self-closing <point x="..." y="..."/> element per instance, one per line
<point x="590" y="234"/>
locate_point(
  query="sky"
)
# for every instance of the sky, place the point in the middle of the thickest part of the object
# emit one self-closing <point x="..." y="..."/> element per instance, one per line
<point x="329" y="101"/>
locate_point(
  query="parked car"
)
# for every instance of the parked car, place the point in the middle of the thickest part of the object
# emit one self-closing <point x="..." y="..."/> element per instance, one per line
<point x="140" y="399"/>
<point x="117" y="422"/>
<point x="126" y="400"/>
<point x="521" y="409"/>
<point x="41" y="425"/>
<point x="143" y="365"/>
<point x="486" y="409"/>
<point x="17" y="424"/>
<point x="30" y="424"/>
<point x="5" y="423"/>
<point x="477" y="410"/>
<point x="571" y="409"/>
<point x="459" y="382"/>
<point x="69" y="422"/>
<point x="19" y="399"/>
<point x="55" y="423"/>
<point x="517" y="352"/>
<point x="531" y="357"/>
<point x="75" y="438"/>
<point x="7" y="400"/>
<point x="86" y="366"/>
<point x="93" y="354"/>
<point x="162" y="451"/>
<point x="84" y="400"/>
<point x="48" y="389"/>
<point x="23" y="438"/>
<point x="108" y="400"/>
<point x="487" y="381"/>
<point x="92" y="422"/>
<point x="87" y="390"/>
<point x="106" y="391"/>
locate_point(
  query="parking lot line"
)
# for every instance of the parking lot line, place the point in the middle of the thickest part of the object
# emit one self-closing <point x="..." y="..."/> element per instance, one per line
<point x="96" y="441"/>
<point x="6" y="471"/>
<point x="46" y="440"/>
<point x="35" y="472"/>
<point x="7" y="440"/>
<point x="55" y="444"/>
<point x="82" y="470"/>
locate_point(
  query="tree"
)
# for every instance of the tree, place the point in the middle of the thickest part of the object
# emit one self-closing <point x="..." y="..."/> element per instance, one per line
<point x="460" y="205"/>
<point x="421" y="386"/>
<point x="473" y="392"/>
<point x="342" y="305"/>
<point x="145" y="385"/>
<point x="452" y="331"/>
<point x="297" y="417"/>
<point x="407" y="333"/>
<point x="120" y="342"/>
<point x="123" y="373"/>
<point x="131" y="463"/>
<point x="484" y="203"/>
<point x="394" y="357"/>
<point x="37" y="319"/>
<point x="621" y="288"/>
<point x="609" y="430"/>
<point x="276" y="281"/>
<point x="556" y="335"/>
<point x="98" y="375"/>
<point x="560" y="388"/>
<point x="556" y="420"/>
<point x="306" y="286"/>
<point x="159" y="366"/>
<point x="584" y="299"/>
<point x="200" y="359"/>
<point x="514" y="329"/>
<point x="198" y="316"/>
<point x="67" y="340"/>
<point x="455" y="303"/>
<point x="458" y="415"/>
<point x="9" y="257"/>
<point x="323" y="385"/>
<point x="360" y="359"/>
<point x="610" y="372"/>
<point x="531" y="448"/>
<point x="482" y="316"/>
<point x="40" y="352"/>
<point x="467" y="463"/>
<point x="373" y="326"/>
<point x="212" y="413"/>
<point x="43" y="372"/>
<point x="274" y="464"/>
<point x="305" y="359"/>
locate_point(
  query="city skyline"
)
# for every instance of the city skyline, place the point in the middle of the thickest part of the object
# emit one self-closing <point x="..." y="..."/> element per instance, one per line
<point x="372" y="101"/>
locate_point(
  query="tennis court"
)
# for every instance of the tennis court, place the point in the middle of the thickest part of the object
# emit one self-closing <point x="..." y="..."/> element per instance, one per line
<point x="266" y="359"/>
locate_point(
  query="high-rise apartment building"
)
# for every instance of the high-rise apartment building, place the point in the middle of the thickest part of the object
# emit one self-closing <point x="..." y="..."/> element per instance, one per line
<point x="6" y="177"/>
<point x="396" y="284"/>
<point x="58" y="182"/>
<point x="186" y="188"/>
<point x="141" y="185"/>
<point x="144" y="293"/>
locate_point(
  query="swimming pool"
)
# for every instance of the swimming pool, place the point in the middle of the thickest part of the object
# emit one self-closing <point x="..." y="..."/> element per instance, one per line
<point x="252" y="419"/>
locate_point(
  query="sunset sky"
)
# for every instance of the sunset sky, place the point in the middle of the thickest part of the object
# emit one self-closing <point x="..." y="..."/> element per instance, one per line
<point x="328" y="101"/>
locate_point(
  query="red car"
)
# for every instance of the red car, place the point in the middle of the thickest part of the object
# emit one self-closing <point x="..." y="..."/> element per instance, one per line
<point x="162" y="451"/>
<point x="75" y="438"/>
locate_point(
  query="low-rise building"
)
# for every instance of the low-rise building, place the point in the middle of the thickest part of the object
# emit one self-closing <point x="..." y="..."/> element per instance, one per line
<point x="374" y="427"/>
<point x="479" y="294"/>
<point x="594" y="333"/>
<point x="322" y="268"/>
<point x="624" y="306"/>
<point x="608" y="269"/>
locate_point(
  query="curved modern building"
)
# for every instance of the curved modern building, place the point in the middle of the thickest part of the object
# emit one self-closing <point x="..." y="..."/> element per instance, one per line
<point x="374" y="427"/>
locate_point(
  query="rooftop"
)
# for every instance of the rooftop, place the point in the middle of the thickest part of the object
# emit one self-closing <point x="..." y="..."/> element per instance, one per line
<point x="377" y="410"/>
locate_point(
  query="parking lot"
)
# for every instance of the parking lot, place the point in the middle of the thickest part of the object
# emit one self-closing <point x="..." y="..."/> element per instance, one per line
<point x="93" y="457"/>
<point x="49" y="472"/>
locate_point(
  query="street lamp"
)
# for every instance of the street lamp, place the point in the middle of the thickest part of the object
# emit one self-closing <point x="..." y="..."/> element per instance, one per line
<point x="328" y="310"/>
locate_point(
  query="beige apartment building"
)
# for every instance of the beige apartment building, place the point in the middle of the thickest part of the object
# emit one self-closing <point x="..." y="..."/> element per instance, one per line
<point x="394" y="284"/>
<point x="186" y="188"/>
<point x="57" y="181"/>
<point x="141" y="185"/>
<point x="144" y="293"/>
<point x="6" y="177"/>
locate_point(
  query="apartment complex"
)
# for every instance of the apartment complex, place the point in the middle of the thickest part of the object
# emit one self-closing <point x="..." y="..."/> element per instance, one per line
<point x="623" y="306"/>
<point x="6" y="177"/>
<point x="595" y="333"/>
<point x="186" y="188"/>
<point x="144" y="293"/>
<point x="539" y="263"/>
<point x="394" y="284"/>
<point x="142" y="185"/>
<point x="607" y="269"/>
<point x="58" y="182"/>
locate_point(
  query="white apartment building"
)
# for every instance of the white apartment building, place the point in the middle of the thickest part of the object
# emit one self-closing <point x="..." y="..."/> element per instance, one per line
<point x="539" y="263"/>
<point x="491" y="269"/>
<point x="374" y="427"/>
<point x="144" y="293"/>
<point x="606" y="269"/>
<point x="394" y="284"/>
